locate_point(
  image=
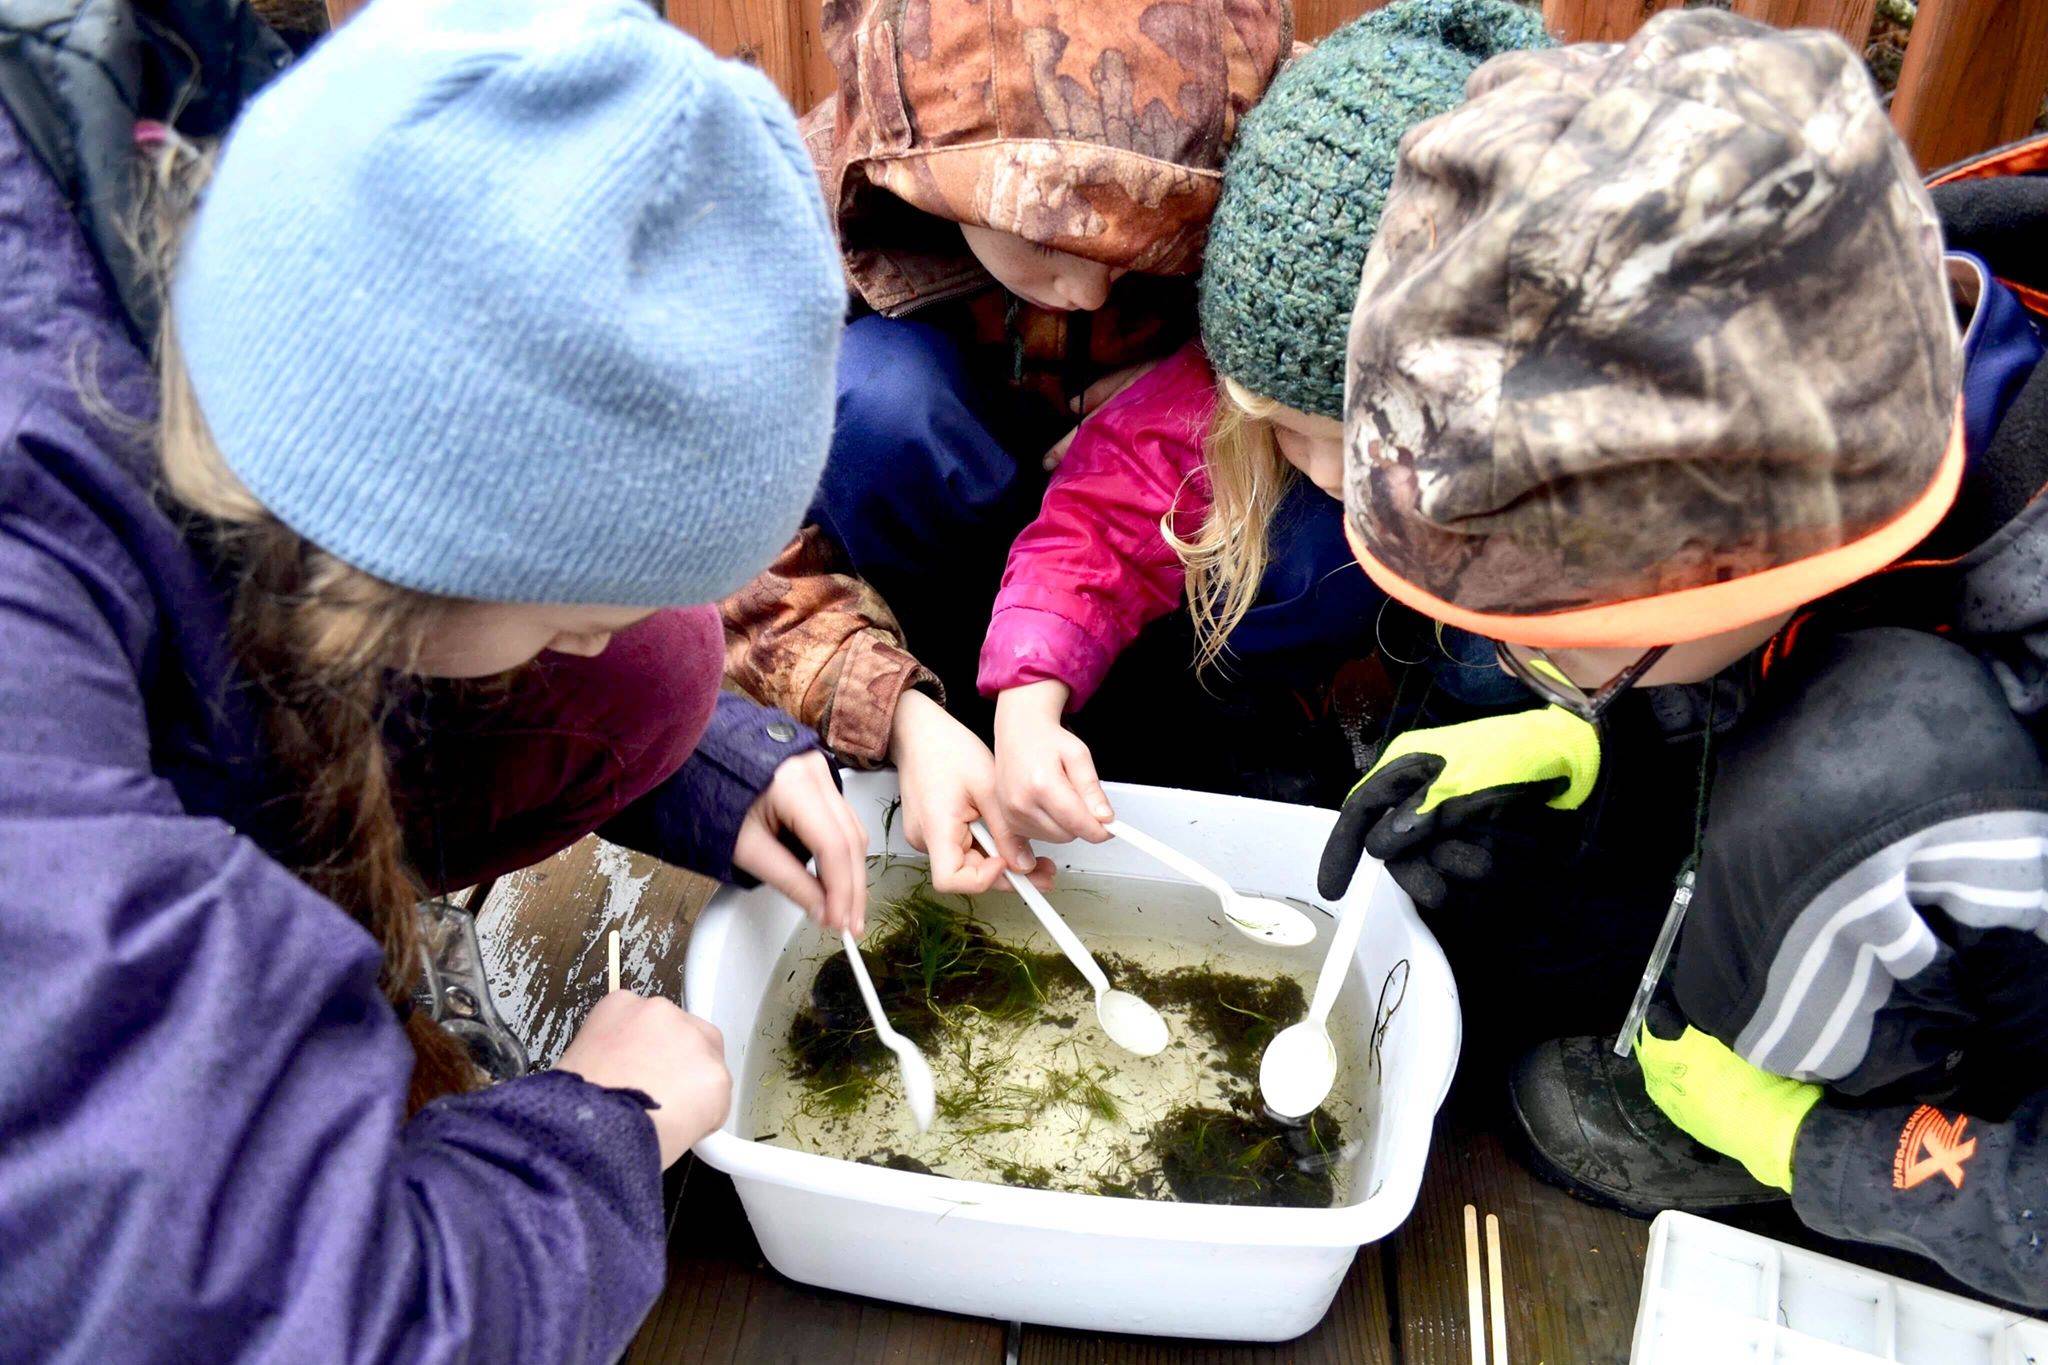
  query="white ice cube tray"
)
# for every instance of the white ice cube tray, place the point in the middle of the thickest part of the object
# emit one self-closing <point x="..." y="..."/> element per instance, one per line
<point x="1716" y="1295"/>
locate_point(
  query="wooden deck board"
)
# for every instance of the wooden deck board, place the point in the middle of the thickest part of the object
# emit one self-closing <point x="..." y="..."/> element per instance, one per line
<point x="723" y="1304"/>
<point x="1356" y="1331"/>
<point x="703" y="1305"/>
<point x="544" y="932"/>
<point x="1573" y="1271"/>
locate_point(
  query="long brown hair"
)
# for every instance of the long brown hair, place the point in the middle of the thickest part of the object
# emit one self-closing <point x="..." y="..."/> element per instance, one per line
<point x="1226" y="557"/>
<point x="319" y="640"/>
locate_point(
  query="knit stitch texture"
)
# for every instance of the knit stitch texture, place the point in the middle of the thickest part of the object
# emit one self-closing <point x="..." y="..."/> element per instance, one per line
<point x="1304" y="185"/>
<point x="519" y="300"/>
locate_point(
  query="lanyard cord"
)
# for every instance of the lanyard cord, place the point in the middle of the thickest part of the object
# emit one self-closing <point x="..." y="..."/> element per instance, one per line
<point x="1681" y="898"/>
<point x="1699" y="811"/>
<point x="1012" y="307"/>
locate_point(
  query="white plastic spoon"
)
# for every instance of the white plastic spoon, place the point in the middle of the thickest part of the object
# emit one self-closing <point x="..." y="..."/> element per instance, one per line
<point x="1130" y="1023"/>
<point x="1300" y="1064"/>
<point x="920" y="1091"/>
<point x="1268" y="921"/>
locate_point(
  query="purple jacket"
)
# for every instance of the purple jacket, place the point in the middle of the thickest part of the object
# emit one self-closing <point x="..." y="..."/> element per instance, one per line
<point x="203" y="1147"/>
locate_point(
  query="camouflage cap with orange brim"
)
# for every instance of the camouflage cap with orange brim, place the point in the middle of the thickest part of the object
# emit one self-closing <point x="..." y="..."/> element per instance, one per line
<point x="1654" y="342"/>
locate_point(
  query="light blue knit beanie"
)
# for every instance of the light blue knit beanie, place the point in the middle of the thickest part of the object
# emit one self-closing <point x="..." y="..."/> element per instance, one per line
<point x="519" y="300"/>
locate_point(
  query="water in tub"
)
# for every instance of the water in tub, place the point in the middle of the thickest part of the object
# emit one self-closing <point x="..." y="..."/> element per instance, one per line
<point x="1030" y="1091"/>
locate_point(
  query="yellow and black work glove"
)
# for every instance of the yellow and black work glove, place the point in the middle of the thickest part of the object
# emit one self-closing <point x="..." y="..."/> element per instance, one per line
<point x="1424" y="808"/>
<point x="1724" y="1103"/>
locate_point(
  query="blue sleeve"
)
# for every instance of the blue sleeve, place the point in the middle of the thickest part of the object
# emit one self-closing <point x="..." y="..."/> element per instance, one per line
<point x="693" y="819"/>
<point x="205" y="1151"/>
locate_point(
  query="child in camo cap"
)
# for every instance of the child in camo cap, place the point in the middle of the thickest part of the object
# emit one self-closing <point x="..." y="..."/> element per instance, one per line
<point x="1654" y="350"/>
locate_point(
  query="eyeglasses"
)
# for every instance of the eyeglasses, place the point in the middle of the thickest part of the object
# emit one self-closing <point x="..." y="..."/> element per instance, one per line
<point x="1548" y="681"/>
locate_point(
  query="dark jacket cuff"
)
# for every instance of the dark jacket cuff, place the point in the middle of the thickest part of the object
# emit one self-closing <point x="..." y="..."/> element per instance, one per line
<point x="693" y="819"/>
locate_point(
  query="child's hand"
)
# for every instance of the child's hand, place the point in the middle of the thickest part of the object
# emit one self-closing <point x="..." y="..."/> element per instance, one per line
<point x="633" y="1042"/>
<point x="949" y="781"/>
<point x="1045" y="777"/>
<point x="803" y="801"/>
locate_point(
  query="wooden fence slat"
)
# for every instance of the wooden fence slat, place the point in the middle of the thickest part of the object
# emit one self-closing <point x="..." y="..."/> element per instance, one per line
<point x="764" y="32"/>
<point x="1315" y="19"/>
<point x="779" y="36"/>
<point x="1975" y="74"/>
<point x="1850" y="18"/>
<point x="820" y="79"/>
<point x="1599" y="21"/>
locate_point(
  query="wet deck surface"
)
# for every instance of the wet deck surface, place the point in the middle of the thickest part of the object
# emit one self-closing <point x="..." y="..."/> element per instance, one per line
<point x="1572" y="1272"/>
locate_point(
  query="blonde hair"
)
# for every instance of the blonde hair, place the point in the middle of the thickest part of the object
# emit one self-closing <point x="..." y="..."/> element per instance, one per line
<point x="317" y="638"/>
<point x="1226" y="557"/>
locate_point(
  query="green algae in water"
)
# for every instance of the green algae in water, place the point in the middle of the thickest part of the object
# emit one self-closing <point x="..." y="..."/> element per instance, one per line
<point x="896" y="1161"/>
<point x="1029" y="1094"/>
<point x="1234" y="1156"/>
<point x="934" y="968"/>
<point x="1239" y="1014"/>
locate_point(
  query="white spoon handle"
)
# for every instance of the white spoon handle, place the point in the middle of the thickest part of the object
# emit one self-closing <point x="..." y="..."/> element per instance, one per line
<point x="1172" y="857"/>
<point x="1343" y="945"/>
<point x="1077" y="953"/>
<point x="867" y="990"/>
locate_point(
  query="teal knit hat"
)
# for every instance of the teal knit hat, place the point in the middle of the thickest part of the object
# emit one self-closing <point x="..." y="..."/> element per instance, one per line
<point x="1304" y="185"/>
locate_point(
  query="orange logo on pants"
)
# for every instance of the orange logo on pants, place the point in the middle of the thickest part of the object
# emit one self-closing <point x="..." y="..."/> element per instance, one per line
<point x="1930" y="1145"/>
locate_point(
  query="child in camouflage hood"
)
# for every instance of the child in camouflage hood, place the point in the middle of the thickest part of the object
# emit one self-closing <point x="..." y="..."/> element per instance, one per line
<point x="1022" y="191"/>
<point x="1655" y="348"/>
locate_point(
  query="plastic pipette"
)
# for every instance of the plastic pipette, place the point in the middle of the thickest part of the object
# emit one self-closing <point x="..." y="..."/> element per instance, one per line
<point x="1653" y="970"/>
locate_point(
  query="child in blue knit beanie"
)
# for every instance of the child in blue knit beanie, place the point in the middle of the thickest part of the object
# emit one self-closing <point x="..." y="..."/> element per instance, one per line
<point x="504" y="332"/>
<point x="1217" y="478"/>
<point x="482" y="406"/>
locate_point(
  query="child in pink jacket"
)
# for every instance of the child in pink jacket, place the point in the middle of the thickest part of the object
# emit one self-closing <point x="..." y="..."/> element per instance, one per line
<point x="1222" y="486"/>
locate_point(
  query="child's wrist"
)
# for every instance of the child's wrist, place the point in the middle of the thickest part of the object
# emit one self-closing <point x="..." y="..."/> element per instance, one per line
<point x="915" y="712"/>
<point x="1043" y="702"/>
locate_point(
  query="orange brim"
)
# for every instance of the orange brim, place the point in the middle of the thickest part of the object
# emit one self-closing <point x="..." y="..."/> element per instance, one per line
<point x="1695" y="613"/>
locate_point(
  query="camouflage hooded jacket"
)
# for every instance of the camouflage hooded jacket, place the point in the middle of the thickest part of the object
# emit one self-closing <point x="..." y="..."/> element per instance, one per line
<point x="1095" y="127"/>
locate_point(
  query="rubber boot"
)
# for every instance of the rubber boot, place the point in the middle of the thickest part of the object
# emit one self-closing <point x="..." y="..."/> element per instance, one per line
<point x="1592" y="1130"/>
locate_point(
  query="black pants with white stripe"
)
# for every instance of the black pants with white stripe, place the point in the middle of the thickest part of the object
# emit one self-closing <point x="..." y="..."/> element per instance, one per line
<point x="1872" y="909"/>
<point x="1872" y="914"/>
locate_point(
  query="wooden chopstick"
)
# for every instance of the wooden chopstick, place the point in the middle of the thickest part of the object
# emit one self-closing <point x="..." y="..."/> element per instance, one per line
<point x="1473" y="1294"/>
<point x="1499" y="1302"/>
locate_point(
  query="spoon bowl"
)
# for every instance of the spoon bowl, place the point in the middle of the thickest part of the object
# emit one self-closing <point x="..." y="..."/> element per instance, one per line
<point x="1298" y="1070"/>
<point x="1259" y="917"/>
<point x="1268" y="920"/>
<point x="1300" y="1064"/>
<point x="920" y="1089"/>
<point x="1131" y="1024"/>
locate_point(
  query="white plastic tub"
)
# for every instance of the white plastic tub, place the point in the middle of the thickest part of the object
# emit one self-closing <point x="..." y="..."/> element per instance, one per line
<point x="1713" y="1294"/>
<point x="1072" y="1260"/>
